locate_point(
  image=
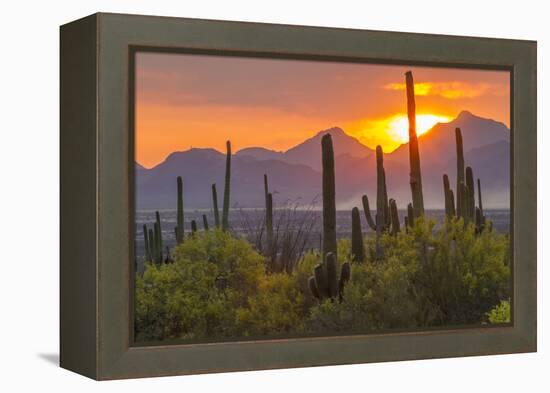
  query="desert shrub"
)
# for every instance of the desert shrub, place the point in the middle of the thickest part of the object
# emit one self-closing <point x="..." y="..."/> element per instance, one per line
<point x="197" y="296"/>
<point x="427" y="277"/>
<point x="219" y="286"/>
<point x="276" y="308"/>
<point x="500" y="313"/>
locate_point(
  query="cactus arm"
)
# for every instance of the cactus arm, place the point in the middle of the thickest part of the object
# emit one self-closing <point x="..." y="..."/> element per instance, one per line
<point x="226" y="191"/>
<point x="329" y="196"/>
<point x="366" y="210"/>
<point x="345" y="275"/>
<point x="313" y="288"/>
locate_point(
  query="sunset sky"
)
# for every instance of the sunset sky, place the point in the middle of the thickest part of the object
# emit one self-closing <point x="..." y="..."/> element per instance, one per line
<point x="185" y="101"/>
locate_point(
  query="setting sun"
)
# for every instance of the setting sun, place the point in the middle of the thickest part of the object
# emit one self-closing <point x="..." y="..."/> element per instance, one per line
<point x="398" y="126"/>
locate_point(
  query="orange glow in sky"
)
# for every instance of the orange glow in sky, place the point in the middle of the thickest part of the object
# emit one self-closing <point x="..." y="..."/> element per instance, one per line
<point x="185" y="101"/>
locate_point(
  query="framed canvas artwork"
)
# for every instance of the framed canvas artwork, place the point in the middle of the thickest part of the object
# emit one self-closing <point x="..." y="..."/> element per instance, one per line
<point x="254" y="196"/>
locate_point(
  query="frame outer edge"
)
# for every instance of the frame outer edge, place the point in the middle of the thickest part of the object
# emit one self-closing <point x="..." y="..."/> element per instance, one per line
<point x="119" y="359"/>
<point x="78" y="197"/>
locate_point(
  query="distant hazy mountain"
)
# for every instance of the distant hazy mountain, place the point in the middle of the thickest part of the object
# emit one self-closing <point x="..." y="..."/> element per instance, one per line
<point x="295" y="174"/>
<point x="309" y="152"/>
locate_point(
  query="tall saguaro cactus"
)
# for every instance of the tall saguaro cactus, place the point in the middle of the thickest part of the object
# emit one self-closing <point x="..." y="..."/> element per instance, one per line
<point x="414" y="155"/>
<point x="357" y="247"/>
<point x="215" y="206"/>
<point x="459" y="172"/>
<point x="381" y="195"/>
<point x="329" y="196"/>
<point x="179" y="218"/>
<point x="226" y="190"/>
<point x="268" y="216"/>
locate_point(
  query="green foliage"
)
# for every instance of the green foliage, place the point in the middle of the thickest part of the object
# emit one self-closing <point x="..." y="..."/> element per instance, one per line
<point x="197" y="296"/>
<point x="426" y="278"/>
<point x="218" y="286"/>
<point x="500" y="313"/>
<point x="277" y="308"/>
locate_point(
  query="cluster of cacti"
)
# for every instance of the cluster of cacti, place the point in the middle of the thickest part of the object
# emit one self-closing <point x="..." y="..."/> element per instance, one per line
<point x="325" y="283"/>
<point x="465" y="192"/>
<point x="153" y="241"/>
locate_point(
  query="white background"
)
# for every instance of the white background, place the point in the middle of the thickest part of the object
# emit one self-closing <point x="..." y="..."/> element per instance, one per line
<point x="29" y="196"/>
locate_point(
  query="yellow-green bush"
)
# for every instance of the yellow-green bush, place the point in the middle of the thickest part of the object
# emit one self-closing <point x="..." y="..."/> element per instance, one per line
<point x="218" y="287"/>
<point x="426" y="277"/>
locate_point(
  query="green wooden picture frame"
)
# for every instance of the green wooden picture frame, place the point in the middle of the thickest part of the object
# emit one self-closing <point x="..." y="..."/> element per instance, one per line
<point x="96" y="314"/>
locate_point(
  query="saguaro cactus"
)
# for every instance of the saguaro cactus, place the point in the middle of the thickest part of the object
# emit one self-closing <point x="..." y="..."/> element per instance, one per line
<point x="471" y="200"/>
<point x="205" y="222"/>
<point x="215" y="206"/>
<point x="146" y="244"/>
<point x="152" y="245"/>
<point x="158" y="238"/>
<point x="357" y="247"/>
<point x="480" y="204"/>
<point x="414" y="155"/>
<point x="193" y="227"/>
<point x="226" y="190"/>
<point x="329" y="196"/>
<point x="324" y="284"/>
<point x="459" y="172"/>
<point x="268" y="217"/>
<point x="382" y="210"/>
<point x="179" y="218"/>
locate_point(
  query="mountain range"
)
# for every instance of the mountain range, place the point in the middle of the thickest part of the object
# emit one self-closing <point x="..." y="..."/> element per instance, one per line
<point x="295" y="174"/>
